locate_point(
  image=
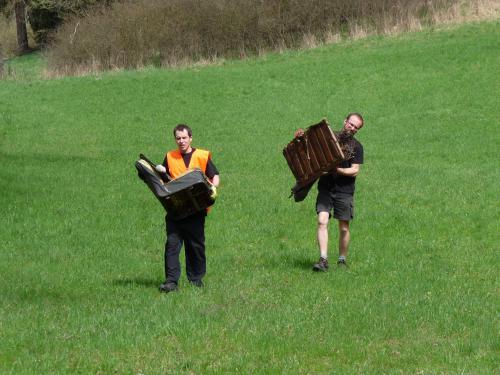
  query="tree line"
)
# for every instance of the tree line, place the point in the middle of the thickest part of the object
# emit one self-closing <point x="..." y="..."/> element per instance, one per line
<point x="43" y="16"/>
<point x="94" y="35"/>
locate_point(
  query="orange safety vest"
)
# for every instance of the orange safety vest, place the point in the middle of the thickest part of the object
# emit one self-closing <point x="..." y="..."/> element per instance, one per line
<point x="176" y="165"/>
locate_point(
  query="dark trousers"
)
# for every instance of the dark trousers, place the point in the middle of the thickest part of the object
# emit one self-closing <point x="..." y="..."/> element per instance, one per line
<point x="191" y="232"/>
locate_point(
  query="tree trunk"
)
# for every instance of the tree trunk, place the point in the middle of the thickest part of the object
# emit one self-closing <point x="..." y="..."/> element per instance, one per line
<point x="1" y="62"/>
<point x="22" y="33"/>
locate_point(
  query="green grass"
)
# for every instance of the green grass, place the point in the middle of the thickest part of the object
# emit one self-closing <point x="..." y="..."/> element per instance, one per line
<point x="82" y="237"/>
<point x="25" y="68"/>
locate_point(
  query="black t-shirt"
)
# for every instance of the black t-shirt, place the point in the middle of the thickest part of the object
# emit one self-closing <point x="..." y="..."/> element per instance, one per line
<point x="211" y="169"/>
<point x="339" y="183"/>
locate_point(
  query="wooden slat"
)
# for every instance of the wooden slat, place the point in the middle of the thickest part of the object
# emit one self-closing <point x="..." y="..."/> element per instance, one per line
<point x="315" y="153"/>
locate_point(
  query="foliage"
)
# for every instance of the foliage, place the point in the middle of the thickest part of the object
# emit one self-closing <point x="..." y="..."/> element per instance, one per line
<point x="132" y="34"/>
<point x="46" y="15"/>
<point x="81" y="237"/>
<point x="4" y="6"/>
<point x="8" y="39"/>
<point x="8" y="36"/>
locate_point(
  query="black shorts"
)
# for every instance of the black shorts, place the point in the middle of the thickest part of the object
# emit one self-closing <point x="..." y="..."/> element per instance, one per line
<point x="341" y="203"/>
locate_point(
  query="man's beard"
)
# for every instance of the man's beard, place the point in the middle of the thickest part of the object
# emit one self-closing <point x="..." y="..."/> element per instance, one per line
<point x="346" y="142"/>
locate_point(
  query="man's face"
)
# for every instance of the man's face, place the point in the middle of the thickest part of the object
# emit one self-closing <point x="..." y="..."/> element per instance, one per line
<point x="353" y="124"/>
<point x="183" y="140"/>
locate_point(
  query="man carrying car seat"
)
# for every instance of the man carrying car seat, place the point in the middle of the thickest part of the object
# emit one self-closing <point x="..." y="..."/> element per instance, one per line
<point x="191" y="229"/>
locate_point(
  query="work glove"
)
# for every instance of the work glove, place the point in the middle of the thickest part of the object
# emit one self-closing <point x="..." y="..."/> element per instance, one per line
<point x="160" y="169"/>
<point x="213" y="195"/>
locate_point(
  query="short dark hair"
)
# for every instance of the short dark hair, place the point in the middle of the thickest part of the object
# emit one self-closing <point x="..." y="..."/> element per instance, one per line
<point x="357" y="115"/>
<point x="182" y="127"/>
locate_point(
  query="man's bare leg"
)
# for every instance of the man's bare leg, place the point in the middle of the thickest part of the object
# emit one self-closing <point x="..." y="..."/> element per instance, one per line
<point x="322" y="235"/>
<point x="344" y="239"/>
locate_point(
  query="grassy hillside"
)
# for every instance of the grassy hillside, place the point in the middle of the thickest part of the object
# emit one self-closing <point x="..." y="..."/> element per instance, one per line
<point x="82" y="237"/>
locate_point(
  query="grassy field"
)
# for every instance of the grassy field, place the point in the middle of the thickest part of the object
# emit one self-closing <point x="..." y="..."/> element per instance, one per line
<point x="82" y="238"/>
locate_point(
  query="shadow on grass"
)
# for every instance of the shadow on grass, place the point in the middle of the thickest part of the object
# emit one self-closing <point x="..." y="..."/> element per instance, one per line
<point x="306" y="264"/>
<point x="302" y="263"/>
<point x="48" y="158"/>
<point x="138" y="281"/>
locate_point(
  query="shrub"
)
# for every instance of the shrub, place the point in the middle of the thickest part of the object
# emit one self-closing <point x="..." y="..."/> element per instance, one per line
<point x="46" y="15"/>
<point x="8" y="36"/>
<point x="133" y="34"/>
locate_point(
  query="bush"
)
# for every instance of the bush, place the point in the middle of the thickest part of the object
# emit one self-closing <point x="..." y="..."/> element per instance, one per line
<point x="8" y="36"/>
<point x="46" y="15"/>
<point x="133" y="34"/>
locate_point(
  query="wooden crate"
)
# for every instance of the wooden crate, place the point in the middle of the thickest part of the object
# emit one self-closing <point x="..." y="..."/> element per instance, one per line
<point x="314" y="154"/>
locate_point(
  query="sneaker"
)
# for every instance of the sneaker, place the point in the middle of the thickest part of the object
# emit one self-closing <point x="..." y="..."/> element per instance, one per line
<point x="196" y="283"/>
<point x="168" y="287"/>
<point x="322" y="265"/>
<point x="342" y="263"/>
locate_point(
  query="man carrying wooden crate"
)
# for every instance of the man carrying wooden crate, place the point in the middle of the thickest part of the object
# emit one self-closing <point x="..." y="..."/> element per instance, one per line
<point x="336" y="192"/>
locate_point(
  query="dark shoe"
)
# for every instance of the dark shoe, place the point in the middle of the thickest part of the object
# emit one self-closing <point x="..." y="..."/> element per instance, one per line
<point x="197" y="283"/>
<point x="342" y="263"/>
<point x="322" y="265"/>
<point x="168" y="287"/>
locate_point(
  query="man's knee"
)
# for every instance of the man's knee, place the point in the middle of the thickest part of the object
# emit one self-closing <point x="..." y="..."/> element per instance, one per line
<point x="173" y="243"/>
<point x="323" y="218"/>
<point x="343" y="227"/>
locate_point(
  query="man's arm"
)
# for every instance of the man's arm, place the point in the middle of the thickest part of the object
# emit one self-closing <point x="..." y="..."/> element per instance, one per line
<point x="352" y="171"/>
<point x="212" y="173"/>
